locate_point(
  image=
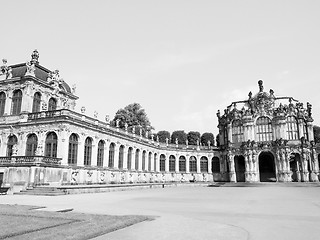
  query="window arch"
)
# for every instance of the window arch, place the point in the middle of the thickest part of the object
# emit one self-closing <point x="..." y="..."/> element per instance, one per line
<point x="162" y="163"/>
<point x="172" y="163"/>
<point x="51" y="145"/>
<point x="237" y="131"/>
<point x="155" y="162"/>
<point x="143" y="160"/>
<point x="136" y="160"/>
<point x="16" y="102"/>
<point x="100" y="153"/>
<point x="36" y="102"/>
<point x="149" y="161"/>
<point x="292" y="128"/>
<point x="121" y="152"/>
<point x="215" y="167"/>
<point x="2" y="103"/>
<point x="111" y="155"/>
<point x="87" y="151"/>
<point x="32" y="144"/>
<point x="182" y="164"/>
<point x="264" y="129"/>
<point x="12" y="141"/>
<point x="129" y="158"/>
<point x="52" y="105"/>
<point x="193" y="164"/>
<point x="73" y="149"/>
<point x="204" y="164"/>
<point x="305" y="130"/>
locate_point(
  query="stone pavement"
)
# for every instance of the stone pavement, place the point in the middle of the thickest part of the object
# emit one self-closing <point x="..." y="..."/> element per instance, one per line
<point x="200" y="212"/>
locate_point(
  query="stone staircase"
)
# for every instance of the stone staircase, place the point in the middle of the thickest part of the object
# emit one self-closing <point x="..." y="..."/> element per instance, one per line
<point x="42" y="191"/>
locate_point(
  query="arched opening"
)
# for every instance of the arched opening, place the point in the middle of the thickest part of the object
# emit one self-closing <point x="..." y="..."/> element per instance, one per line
<point x="149" y="161"/>
<point x="36" y="102"/>
<point x="51" y="145"/>
<point x="2" y="103"/>
<point x="32" y="144"/>
<point x="16" y="102"/>
<point x="204" y="164"/>
<point x="52" y="105"/>
<point x="73" y="149"/>
<point x="295" y="167"/>
<point x="267" y="167"/>
<point x="162" y="163"/>
<point x="240" y="168"/>
<point x="87" y="151"/>
<point x="192" y="164"/>
<point x="121" y="156"/>
<point x="144" y="160"/>
<point x="215" y="165"/>
<point x="129" y="158"/>
<point x="172" y="163"/>
<point x="100" y="153"/>
<point x="11" y="145"/>
<point x="111" y="155"/>
<point x="182" y="164"/>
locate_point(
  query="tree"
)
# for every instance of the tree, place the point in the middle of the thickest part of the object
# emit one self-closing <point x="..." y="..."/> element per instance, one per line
<point x="135" y="116"/>
<point x="218" y="140"/>
<point x="205" y="137"/>
<point x="316" y="133"/>
<point x="180" y="135"/>
<point x="163" y="135"/>
<point x="193" y="137"/>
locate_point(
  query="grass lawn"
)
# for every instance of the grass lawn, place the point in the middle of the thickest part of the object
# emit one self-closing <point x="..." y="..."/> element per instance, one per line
<point x="24" y="222"/>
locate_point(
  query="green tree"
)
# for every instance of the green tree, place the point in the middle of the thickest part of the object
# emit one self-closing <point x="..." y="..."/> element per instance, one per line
<point x="192" y="137"/>
<point x="316" y="133"/>
<point x="205" y="137"/>
<point x="180" y="135"/>
<point x="135" y="116"/>
<point x="163" y="135"/>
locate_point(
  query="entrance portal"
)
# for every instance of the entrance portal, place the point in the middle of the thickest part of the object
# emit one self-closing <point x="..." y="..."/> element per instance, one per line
<point x="239" y="168"/>
<point x="267" y="167"/>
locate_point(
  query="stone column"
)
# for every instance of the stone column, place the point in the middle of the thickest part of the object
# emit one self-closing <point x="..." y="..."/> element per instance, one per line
<point x="187" y="164"/>
<point x="210" y="164"/>
<point x="62" y="149"/>
<point x="247" y="166"/>
<point x="125" y="158"/>
<point x="198" y="164"/>
<point x="157" y="163"/>
<point x="106" y="155"/>
<point x="177" y="163"/>
<point x="232" y="173"/>
<point x="167" y="163"/>
<point x="94" y="154"/>
<point x="305" y="175"/>
<point x="116" y="157"/>
<point x="80" y="159"/>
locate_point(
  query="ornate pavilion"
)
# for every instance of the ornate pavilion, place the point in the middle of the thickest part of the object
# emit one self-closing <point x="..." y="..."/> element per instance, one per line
<point x="44" y="141"/>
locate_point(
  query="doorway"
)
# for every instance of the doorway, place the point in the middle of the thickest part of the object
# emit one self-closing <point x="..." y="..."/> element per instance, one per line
<point x="267" y="168"/>
<point x="240" y="168"/>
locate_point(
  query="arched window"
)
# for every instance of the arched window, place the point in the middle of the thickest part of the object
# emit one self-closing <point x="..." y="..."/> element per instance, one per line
<point x="305" y="130"/>
<point x="136" y="160"/>
<point x="215" y="165"/>
<point x="100" y="153"/>
<point x="292" y="128"/>
<point x="36" y="102"/>
<point x="172" y="163"/>
<point x="51" y="145"/>
<point x="193" y="164"/>
<point x="149" y="161"/>
<point x="52" y="105"/>
<point x="87" y="151"/>
<point x="16" y="102"/>
<point x="143" y="160"/>
<point x="2" y="103"/>
<point x="121" y="152"/>
<point x="237" y="131"/>
<point x="162" y="163"/>
<point x="264" y="129"/>
<point x="155" y="162"/>
<point x="12" y="141"/>
<point x="73" y="149"/>
<point x="182" y="164"/>
<point x="129" y="158"/>
<point x="111" y="155"/>
<point x="204" y="164"/>
<point x="32" y="143"/>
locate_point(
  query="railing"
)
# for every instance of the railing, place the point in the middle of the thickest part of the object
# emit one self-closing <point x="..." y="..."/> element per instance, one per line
<point x="30" y="160"/>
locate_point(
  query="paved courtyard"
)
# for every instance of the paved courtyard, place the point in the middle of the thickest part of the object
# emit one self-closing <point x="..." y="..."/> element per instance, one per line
<point x="271" y="212"/>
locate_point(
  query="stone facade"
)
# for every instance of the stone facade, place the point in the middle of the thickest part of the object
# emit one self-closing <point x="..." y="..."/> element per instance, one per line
<point x="268" y="138"/>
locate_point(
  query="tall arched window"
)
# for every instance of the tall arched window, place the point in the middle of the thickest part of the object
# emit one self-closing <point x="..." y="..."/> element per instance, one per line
<point x="162" y="163"/>
<point x="237" y="131"/>
<point x="149" y="161"/>
<point x="264" y="129"/>
<point x="16" y="102"/>
<point x="100" y="153"/>
<point x="193" y="164"/>
<point x="111" y="155"/>
<point x="215" y="165"/>
<point x="305" y="130"/>
<point x="51" y="145"/>
<point x="143" y="160"/>
<point x="121" y="152"/>
<point x="87" y="151"/>
<point x="12" y="141"/>
<point x="52" y="105"/>
<point x="73" y="149"/>
<point x="182" y="164"/>
<point x="32" y="144"/>
<point x="136" y="160"/>
<point x="155" y="162"/>
<point x="2" y="103"/>
<point x="129" y="158"/>
<point x="204" y="164"/>
<point x="292" y="128"/>
<point x="36" y="102"/>
<point x="172" y="163"/>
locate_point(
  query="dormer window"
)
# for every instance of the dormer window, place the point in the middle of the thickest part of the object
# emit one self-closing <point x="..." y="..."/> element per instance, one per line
<point x="16" y="102"/>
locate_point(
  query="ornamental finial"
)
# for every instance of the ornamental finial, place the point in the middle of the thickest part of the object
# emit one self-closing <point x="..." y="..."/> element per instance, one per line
<point x="35" y="56"/>
<point x="260" y="82"/>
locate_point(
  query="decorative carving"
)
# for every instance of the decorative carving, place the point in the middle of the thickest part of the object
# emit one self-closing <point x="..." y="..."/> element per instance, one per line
<point x="30" y="69"/>
<point x="83" y="110"/>
<point x="5" y="70"/>
<point x="35" y="57"/>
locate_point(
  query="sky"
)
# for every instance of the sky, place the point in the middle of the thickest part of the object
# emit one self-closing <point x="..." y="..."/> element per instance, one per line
<point x="181" y="60"/>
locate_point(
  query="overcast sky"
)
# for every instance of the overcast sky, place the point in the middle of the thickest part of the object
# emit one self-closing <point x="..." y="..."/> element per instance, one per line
<point x="181" y="60"/>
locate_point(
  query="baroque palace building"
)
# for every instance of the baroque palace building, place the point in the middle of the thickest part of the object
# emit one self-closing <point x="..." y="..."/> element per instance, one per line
<point x="44" y="141"/>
